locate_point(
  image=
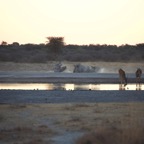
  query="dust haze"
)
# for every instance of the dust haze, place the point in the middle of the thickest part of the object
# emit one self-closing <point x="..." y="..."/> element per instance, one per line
<point x="102" y="67"/>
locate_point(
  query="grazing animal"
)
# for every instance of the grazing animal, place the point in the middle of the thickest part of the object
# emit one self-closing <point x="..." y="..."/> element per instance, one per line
<point x="138" y="74"/>
<point x="79" y="68"/>
<point x="59" y="68"/>
<point x="122" y="77"/>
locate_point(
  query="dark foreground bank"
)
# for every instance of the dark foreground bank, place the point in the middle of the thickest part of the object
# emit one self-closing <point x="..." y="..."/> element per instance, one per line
<point x="61" y="96"/>
<point x="50" y="77"/>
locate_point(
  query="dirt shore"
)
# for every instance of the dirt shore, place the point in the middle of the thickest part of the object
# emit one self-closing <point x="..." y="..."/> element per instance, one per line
<point x="50" y="77"/>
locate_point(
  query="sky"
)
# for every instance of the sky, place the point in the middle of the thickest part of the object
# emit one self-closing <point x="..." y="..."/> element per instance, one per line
<point x="80" y="22"/>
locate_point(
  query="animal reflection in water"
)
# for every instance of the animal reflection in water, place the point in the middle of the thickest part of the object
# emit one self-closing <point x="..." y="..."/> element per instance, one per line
<point x="123" y="79"/>
<point x="138" y="76"/>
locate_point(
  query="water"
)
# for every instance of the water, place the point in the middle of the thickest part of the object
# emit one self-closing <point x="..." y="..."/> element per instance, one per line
<point x="51" y="86"/>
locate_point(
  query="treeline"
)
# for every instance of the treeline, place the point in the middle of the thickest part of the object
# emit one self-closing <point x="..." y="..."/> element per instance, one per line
<point x="41" y="53"/>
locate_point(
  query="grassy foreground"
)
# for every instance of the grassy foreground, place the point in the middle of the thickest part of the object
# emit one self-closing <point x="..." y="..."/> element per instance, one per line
<point x="101" y="123"/>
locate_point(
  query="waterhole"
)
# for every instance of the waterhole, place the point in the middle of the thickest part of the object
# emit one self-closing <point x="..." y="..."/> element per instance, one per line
<point x="67" y="86"/>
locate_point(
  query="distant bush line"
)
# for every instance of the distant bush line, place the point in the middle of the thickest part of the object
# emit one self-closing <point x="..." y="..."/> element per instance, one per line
<point x="31" y="53"/>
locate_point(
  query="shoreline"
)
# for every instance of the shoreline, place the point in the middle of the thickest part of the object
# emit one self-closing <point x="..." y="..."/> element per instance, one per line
<point x="49" y="77"/>
<point x="61" y="96"/>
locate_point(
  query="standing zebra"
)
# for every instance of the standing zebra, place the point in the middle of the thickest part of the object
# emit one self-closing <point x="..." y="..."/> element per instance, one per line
<point x="122" y="76"/>
<point x="138" y="74"/>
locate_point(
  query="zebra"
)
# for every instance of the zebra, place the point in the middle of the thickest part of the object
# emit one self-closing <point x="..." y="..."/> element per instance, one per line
<point x="122" y="77"/>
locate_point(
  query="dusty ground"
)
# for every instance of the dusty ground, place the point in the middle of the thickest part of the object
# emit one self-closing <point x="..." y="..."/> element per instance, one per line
<point x="105" y="67"/>
<point x="64" y="123"/>
<point x="43" y="72"/>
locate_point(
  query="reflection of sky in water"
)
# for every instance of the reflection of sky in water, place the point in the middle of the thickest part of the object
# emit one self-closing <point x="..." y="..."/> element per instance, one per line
<point x="42" y="86"/>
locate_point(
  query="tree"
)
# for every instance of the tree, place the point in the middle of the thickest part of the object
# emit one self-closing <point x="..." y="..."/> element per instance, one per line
<point x="3" y="43"/>
<point x="140" y="45"/>
<point x="15" y="44"/>
<point x="55" y="44"/>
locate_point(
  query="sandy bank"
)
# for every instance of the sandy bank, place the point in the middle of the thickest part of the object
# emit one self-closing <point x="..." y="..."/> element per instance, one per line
<point x="47" y="77"/>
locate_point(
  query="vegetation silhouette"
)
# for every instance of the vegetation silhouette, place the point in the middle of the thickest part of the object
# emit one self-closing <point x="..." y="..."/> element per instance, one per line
<point x="55" y="44"/>
<point x="56" y="50"/>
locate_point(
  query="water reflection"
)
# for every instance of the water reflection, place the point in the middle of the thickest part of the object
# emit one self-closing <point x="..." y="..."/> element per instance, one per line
<point x="43" y="86"/>
<point x="122" y="87"/>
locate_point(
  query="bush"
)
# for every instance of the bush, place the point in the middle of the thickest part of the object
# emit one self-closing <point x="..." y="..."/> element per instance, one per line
<point x="42" y="53"/>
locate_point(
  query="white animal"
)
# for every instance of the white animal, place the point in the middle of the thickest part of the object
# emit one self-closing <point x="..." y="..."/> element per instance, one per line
<point x="79" y="68"/>
<point x="59" y="68"/>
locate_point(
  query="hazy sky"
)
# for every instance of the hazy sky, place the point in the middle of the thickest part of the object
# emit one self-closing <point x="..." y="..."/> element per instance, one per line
<point x="78" y="21"/>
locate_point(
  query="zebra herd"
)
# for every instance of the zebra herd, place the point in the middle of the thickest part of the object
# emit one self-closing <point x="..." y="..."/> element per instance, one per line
<point x="123" y="78"/>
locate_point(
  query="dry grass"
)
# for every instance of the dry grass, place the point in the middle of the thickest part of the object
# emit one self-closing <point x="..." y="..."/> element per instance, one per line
<point x="41" y="122"/>
<point x="26" y="135"/>
<point x="1" y="118"/>
<point x="113" y="136"/>
<point x="17" y="106"/>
